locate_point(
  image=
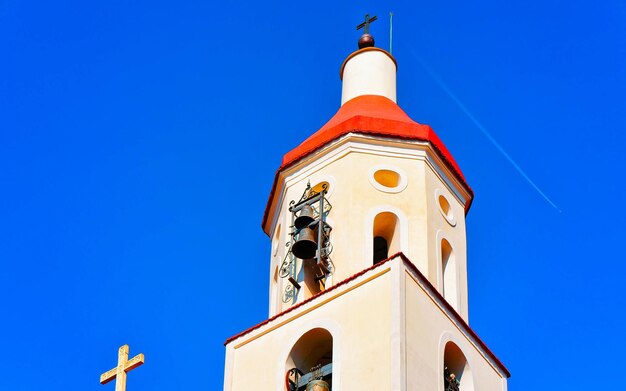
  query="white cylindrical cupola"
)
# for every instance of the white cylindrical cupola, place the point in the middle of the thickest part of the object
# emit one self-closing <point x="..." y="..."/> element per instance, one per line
<point x="368" y="71"/>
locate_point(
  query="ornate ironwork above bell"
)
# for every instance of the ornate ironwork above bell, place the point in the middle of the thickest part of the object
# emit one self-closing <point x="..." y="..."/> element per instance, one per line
<point x="305" y="218"/>
<point x="306" y="245"/>
<point x="310" y="240"/>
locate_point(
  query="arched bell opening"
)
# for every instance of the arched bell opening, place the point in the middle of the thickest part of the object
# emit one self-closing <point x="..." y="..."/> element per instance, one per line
<point x="386" y="236"/>
<point x="448" y="267"/>
<point x="307" y="263"/>
<point x="309" y="364"/>
<point x="457" y="374"/>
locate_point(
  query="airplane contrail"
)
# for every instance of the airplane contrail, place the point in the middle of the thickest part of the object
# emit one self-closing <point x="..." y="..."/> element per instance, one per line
<point x="483" y="130"/>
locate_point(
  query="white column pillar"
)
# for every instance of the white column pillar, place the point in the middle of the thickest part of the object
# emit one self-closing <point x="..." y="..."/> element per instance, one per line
<point x="369" y="71"/>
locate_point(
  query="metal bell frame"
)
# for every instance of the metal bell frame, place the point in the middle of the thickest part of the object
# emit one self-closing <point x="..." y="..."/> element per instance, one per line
<point x="321" y="208"/>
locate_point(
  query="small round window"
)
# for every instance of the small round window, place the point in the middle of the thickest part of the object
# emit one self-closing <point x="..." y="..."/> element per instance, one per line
<point x="388" y="179"/>
<point x="446" y="209"/>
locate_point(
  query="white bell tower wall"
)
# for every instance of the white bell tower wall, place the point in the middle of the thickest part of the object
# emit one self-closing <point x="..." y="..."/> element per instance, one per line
<point x="385" y="329"/>
<point x="380" y="187"/>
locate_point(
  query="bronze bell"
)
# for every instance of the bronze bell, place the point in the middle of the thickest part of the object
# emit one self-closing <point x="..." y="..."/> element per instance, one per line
<point x="306" y="245"/>
<point x="305" y="218"/>
<point x="317" y="385"/>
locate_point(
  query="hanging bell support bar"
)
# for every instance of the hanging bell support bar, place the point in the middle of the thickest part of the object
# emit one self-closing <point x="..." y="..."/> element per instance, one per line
<point x="309" y="201"/>
<point x="321" y="228"/>
<point x="294" y="282"/>
<point x="318" y="373"/>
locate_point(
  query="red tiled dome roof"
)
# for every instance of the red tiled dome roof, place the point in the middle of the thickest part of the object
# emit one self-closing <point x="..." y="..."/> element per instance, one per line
<point x="372" y="115"/>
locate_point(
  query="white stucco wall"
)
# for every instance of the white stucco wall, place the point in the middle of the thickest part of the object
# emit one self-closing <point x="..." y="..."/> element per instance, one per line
<point x="389" y="333"/>
<point x="426" y="340"/>
<point x="369" y="71"/>
<point x="453" y="230"/>
<point x="358" y="315"/>
<point x="348" y="165"/>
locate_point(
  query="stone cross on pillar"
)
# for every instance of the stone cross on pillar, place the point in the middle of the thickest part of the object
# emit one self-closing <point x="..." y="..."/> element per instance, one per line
<point x="123" y="365"/>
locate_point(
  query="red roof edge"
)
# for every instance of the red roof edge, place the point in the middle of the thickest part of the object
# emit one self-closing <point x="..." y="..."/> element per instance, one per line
<point x="431" y="289"/>
<point x="452" y="165"/>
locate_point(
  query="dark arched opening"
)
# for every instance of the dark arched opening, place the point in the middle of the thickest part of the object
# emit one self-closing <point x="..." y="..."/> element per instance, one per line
<point x="381" y="249"/>
<point x="386" y="234"/>
<point x="310" y="362"/>
<point x="457" y="374"/>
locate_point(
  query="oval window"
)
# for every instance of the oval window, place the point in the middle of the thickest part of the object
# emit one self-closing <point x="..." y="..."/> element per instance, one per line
<point x="322" y="185"/>
<point x="446" y="209"/>
<point x="388" y="179"/>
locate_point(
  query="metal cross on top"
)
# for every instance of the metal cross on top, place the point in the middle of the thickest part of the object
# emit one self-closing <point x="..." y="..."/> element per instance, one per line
<point x="123" y="365"/>
<point x="366" y="23"/>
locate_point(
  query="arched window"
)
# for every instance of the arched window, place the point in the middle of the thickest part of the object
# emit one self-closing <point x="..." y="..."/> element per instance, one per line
<point x="310" y="361"/>
<point x="448" y="267"/>
<point x="386" y="236"/>
<point x="457" y="374"/>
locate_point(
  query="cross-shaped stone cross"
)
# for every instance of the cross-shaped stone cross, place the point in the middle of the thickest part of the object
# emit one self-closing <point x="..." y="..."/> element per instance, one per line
<point x="123" y="365"/>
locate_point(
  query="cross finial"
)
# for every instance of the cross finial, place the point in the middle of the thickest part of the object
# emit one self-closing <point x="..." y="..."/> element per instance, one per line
<point x="366" y="39"/>
<point x="366" y="24"/>
<point x="123" y="365"/>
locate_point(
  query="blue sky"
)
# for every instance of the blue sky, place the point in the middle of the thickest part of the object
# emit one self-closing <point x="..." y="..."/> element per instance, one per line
<point x="139" y="140"/>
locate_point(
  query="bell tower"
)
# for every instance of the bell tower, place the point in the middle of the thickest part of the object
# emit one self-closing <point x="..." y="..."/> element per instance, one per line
<point x="368" y="268"/>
